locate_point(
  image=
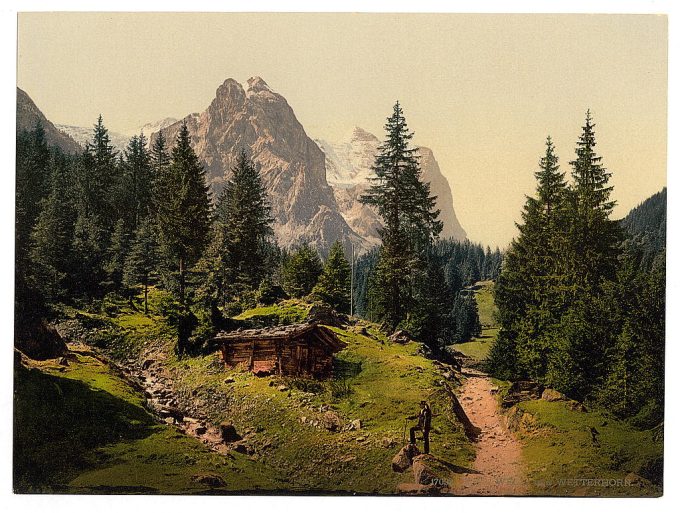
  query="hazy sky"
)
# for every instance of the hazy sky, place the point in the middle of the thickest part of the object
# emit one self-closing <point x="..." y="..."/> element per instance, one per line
<point x="483" y="91"/>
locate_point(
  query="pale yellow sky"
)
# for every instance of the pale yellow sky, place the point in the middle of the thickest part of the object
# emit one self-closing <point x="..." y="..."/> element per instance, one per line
<point x="483" y="91"/>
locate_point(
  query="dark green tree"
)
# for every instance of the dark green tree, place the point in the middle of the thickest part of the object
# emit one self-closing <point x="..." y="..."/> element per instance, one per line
<point x="183" y="220"/>
<point x="410" y="220"/>
<point x="159" y="158"/>
<point x="142" y="260"/>
<point x="137" y="182"/>
<point x="530" y="292"/>
<point x="333" y="285"/>
<point x="594" y="237"/>
<point x="244" y="211"/>
<point x="301" y="271"/>
<point x="51" y="258"/>
<point x="117" y="252"/>
<point x="89" y="252"/>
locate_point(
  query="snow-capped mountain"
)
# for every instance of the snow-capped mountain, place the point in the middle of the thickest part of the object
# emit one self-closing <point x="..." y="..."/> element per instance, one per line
<point x="348" y="170"/>
<point x="349" y="163"/>
<point x="82" y="135"/>
<point x="150" y="128"/>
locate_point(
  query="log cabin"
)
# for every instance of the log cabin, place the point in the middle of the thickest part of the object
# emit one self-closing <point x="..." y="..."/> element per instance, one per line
<point x="304" y="350"/>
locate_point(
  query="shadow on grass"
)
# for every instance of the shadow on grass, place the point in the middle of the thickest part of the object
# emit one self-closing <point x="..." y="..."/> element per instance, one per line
<point x="457" y="469"/>
<point x="59" y="425"/>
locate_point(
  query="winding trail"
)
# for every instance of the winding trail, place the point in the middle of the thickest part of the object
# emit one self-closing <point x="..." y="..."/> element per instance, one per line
<point x="498" y="468"/>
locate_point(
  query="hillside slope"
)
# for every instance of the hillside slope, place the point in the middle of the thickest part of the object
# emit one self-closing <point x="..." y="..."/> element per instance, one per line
<point x="298" y="435"/>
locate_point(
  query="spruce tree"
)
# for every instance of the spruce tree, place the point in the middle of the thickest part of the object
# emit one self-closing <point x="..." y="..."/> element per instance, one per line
<point x="333" y="286"/>
<point x="50" y="255"/>
<point x="244" y="211"/>
<point x="137" y="182"/>
<point x="142" y="260"/>
<point x="301" y="271"/>
<point x="117" y="253"/>
<point x="183" y="219"/>
<point x="410" y="220"/>
<point x="594" y="236"/>
<point x="159" y="158"/>
<point x="97" y="177"/>
<point x="529" y="289"/>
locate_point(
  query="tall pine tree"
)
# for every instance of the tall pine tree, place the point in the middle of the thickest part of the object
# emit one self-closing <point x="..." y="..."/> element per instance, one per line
<point x="333" y="286"/>
<point x="183" y="216"/>
<point x="244" y="211"/>
<point x="410" y="220"/>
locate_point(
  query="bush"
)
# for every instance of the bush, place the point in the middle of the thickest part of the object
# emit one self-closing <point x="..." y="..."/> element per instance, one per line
<point x="269" y="293"/>
<point x="339" y="389"/>
<point x="304" y="384"/>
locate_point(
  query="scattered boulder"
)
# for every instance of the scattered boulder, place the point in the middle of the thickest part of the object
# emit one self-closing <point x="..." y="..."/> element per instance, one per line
<point x="354" y="425"/>
<point x="632" y="479"/>
<point x="324" y="314"/>
<point x="282" y="388"/>
<point x="228" y="432"/>
<point x="240" y="447"/>
<point x="552" y="395"/>
<point x="171" y="411"/>
<point x="577" y="406"/>
<point x="522" y="391"/>
<point x="401" y="337"/>
<point x="331" y="421"/>
<point x="229" y="380"/>
<point x="388" y="443"/>
<point x="404" y="458"/>
<point x="200" y="430"/>
<point x="211" y="480"/>
<point x="424" y="471"/>
<point x="39" y="341"/>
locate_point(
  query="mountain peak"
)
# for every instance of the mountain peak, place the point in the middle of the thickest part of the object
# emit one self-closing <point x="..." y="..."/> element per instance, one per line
<point x="230" y="88"/>
<point x="257" y="84"/>
<point x="359" y="134"/>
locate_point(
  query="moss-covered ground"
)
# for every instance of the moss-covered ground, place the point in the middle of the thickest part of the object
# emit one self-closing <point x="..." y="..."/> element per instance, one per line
<point x="478" y="348"/>
<point x="82" y="428"/>
<point x="563" y="458"/>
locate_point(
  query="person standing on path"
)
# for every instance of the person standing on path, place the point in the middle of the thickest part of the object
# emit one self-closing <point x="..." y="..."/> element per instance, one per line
<point x="424" y="425"/>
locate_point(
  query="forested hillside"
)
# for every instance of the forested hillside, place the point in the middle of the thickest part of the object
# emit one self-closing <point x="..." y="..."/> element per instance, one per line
<point x="581" y="297"/>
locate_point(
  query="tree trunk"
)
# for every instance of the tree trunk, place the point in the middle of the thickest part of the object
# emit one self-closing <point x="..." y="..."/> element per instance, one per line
<point x="181" y="331"/>
<point x="146" y="297"/>
<point x="181" y="281"/>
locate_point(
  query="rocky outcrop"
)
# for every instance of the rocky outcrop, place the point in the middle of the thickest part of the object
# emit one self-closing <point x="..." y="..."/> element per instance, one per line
<point x="292" y="166"/>
<point x="348" y="171"/>
<point x="28" y="114"/>
<point x="404" y="458"/>
<point x="39" y="340"/>
<point x="551" y="395"/>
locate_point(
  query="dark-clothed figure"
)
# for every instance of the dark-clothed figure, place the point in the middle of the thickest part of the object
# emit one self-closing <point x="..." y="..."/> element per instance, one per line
<point x="424" y="424"/>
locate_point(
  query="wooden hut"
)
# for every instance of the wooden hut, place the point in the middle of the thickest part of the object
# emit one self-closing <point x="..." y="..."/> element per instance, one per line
<point x="293" y="350"/>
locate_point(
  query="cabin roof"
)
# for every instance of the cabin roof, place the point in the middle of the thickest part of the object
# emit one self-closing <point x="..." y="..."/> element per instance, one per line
<point x="284" y="333"/>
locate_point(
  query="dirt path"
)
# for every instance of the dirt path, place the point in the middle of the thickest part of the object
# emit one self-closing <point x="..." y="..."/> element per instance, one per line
<point x="498" y="468"/>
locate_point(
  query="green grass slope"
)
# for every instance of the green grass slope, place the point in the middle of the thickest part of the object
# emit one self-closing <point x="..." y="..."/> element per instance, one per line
<point x="98" y="438"/>
<point x="563" y="459"/>
<point x="478" y="348"/>
<point x="81" y="429"/>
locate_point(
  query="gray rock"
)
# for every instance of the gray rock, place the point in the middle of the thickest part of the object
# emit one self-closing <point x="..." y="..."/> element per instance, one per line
<point x="404" y="458"/>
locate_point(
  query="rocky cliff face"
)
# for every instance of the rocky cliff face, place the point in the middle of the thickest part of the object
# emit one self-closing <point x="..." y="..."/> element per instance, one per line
<point x="291" y="164"/>
<point x="28" y="114"/>
<point x="348" y="169"/>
